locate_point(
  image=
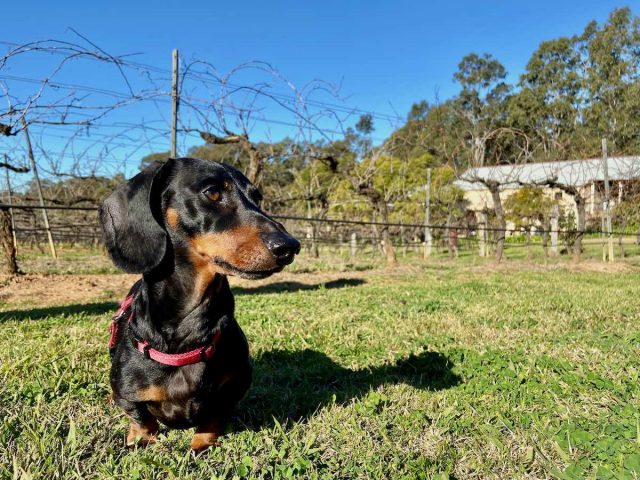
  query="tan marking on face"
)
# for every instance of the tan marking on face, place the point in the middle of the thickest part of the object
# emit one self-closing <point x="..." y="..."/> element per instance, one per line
<point x="153" y="393"/>
<point x="142" y="435"/>
<point x="241" y="247"/>
<point x="205" y="272"/>
<point x="172" y="218"/>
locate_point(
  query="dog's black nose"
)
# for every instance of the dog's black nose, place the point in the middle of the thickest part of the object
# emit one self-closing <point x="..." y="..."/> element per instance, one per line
<point x="283" y="247"/>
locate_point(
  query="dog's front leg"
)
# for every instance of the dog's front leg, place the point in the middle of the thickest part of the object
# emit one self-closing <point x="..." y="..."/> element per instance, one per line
<point x="207" y="434"/>
<point x="143" y="427"/>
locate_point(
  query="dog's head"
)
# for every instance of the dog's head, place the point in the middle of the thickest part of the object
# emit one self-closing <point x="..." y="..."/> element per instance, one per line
<point x="205" y="210"/>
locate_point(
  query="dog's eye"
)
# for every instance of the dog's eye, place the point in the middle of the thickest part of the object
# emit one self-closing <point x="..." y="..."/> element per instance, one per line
<point x="213" y="194"/>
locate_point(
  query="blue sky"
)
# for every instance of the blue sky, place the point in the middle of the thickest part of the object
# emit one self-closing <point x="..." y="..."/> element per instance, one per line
<point x="385" y="54"/>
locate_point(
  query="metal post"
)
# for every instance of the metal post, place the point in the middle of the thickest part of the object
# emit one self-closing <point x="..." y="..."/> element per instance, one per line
<point x="174" y="106"/>
<point x="428" y="240"/>
<point x="13" y="220"/>
<point x="607" y="198"/>
<point x="39" y="185"/>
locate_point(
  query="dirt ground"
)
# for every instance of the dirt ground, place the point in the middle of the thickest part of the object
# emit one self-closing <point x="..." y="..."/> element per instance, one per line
<point x="58" y="289"/>
<point x="61" y="289"/>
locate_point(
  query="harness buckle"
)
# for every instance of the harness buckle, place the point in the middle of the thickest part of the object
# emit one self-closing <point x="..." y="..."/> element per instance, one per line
<point x="203" y="352"/>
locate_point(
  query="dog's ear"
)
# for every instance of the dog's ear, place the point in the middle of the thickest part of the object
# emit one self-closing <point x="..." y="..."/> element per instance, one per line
<point x="132" y="223"/>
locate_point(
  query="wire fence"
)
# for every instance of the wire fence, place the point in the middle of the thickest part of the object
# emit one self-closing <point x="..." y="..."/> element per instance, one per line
<point x="350" y="240"/>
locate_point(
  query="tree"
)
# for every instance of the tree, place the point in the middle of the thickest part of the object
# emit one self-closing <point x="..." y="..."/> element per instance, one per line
<point x="481" y="101"/>
<point x="611" y="76"/>
<point x="311" y="190"/>
<point x="528" y="207"/>
<point x="356" y="162"/>
<point x="548" y="105"/>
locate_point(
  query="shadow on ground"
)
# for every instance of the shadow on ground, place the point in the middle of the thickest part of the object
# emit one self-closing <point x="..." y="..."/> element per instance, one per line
<point x="55" y="311"/>
<point x="292" y="385"/>
<point x="279" y="287"/>
<point x="39" y="313"/>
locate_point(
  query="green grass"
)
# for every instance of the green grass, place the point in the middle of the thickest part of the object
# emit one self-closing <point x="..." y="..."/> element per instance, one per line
<point x="436" y="372"/>
<point x="78" y="259"/>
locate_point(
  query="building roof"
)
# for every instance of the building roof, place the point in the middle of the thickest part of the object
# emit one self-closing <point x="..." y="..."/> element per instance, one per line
<point x="571" y="173"/>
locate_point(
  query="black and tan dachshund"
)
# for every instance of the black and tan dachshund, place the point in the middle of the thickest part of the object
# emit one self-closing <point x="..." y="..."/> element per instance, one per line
<point x="179" y="357"/>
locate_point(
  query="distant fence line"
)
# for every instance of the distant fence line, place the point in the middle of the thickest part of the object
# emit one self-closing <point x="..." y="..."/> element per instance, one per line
<point x="350" y="239"/>
<point x="328" y="221"/>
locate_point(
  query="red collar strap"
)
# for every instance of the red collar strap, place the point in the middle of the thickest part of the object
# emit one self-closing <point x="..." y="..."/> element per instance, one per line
<point x="201" y="354"/>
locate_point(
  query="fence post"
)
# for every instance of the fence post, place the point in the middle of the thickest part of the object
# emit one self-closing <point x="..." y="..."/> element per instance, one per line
<point x="354" y="244"/>
<point x="13" y="220"/>
<point x="428" y="240"/>
<point x="607" y="198"/>
<point x="555" y="215"/>
<point x="35" y="174"/>
<point x="174" y="106"/>
<point x="10" y="266"/>
<point x="482" y="233"/>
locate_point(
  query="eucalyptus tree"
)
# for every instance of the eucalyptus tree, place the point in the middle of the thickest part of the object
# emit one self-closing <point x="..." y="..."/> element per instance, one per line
<point x="611" y="59"/>
<point x="481" y="102"/>
<point x="548" y="105"/>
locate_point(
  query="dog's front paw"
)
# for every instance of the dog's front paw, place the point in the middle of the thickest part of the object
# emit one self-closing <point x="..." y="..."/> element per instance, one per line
<point x="201" y="441"/>
<point x="142" y="435"/>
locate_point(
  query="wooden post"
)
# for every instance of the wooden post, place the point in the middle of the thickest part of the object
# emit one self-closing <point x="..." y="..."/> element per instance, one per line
<point x="428" y="240"/>
<point x="9" y="264"/>
<point x="13" y="220"/>
<point x="607" y="198"/>
<point x="174" y="106"/>
<point x="39" y="186"/>
<point x="555" y="222"/>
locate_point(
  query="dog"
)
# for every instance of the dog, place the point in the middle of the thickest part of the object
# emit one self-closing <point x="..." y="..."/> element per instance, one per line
<point x="178" y="356"/>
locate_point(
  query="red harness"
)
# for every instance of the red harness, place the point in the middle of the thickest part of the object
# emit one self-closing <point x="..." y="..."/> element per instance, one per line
<point x="201" y="354"/>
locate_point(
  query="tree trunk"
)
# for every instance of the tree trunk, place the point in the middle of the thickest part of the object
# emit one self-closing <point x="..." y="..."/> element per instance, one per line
<point x="581" y="215"/>
<point x="502" y="223"/>
<point x="254" y="172"/>
<point x="9" y="264"/>
<point x="621" y="244"/>
<point x="623" y="227"/>
<point x="389" y="251"/>
<point x="545" y="245"/>
<point x="315" y="253"/>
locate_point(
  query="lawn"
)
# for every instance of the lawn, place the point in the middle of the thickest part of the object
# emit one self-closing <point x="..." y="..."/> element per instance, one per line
<point x="432" y="371"/>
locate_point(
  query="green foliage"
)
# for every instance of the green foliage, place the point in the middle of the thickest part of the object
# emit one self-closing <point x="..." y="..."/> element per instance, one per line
<point x="574" y="91"/>
<point x="626" y="215"/>
<point x="527" y="206"/>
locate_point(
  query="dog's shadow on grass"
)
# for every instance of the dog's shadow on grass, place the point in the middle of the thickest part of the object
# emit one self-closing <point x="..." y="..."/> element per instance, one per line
<point x="281" y="287"/>
<point x="293" y="385"/>
<point x="100" y="308"/>
<point x="40" y="313"/>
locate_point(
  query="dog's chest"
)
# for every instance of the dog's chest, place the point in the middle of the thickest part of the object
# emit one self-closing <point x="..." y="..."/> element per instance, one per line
<point x="184" y="382"/>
